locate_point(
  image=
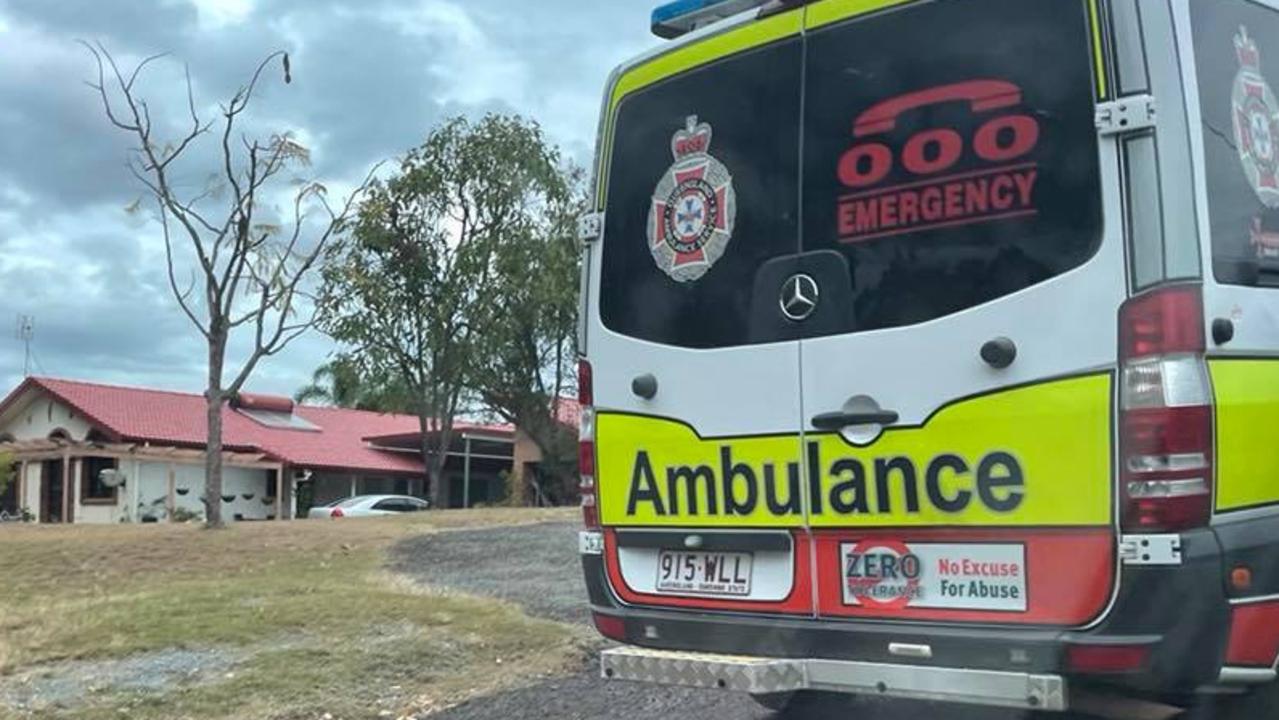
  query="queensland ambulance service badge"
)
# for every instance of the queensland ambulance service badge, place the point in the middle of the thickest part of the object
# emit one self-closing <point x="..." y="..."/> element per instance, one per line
<point x="690" y="222"/>
<point x="1256" y="122"/>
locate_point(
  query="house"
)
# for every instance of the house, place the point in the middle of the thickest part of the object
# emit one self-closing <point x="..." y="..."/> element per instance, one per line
<point x="279" y="458"/>
<point x="538" y="486"/>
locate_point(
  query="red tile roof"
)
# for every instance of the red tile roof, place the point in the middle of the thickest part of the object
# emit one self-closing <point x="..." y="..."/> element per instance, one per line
<point x="173" y="418"/>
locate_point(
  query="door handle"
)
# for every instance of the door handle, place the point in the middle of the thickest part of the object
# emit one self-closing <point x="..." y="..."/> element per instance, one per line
<point x="840" y="420"/>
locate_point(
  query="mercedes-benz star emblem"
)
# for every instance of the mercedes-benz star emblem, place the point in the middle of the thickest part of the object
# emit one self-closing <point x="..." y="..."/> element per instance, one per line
<point x="799" y="297"/>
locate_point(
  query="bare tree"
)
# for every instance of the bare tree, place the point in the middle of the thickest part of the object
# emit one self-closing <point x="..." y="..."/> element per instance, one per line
<point x="251" y="263"/>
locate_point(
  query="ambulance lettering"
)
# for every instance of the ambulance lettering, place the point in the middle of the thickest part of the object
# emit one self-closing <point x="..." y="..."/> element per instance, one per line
<point x="846" y="486"/>
<point x="950" y="180"/>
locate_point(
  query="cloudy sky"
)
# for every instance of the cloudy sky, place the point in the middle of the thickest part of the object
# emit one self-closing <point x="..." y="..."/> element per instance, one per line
<point x="370" y="78"/>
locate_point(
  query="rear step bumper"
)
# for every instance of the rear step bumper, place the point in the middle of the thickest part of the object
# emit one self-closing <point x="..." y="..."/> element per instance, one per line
<point x="760" y="675"/>
<point x="1180" y="611"/>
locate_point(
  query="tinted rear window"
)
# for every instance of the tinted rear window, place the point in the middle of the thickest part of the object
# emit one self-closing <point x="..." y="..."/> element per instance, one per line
<point x="1237" y="59"/>
<point x="949" y="158"/>
<point x="951" y="154"/>
<point x="716" y="212"/>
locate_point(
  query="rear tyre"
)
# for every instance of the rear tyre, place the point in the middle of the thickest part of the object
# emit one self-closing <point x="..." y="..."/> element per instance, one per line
<point x="777" y="702"/>
<point x="802" y="703"/>
<point x="1258" y="704"/>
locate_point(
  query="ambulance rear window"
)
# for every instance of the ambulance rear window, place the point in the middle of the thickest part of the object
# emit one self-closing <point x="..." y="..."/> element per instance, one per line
<point x="941" y="155"/>
<point x="1237" y="59"/>
<point x="951" y="154"/>
<point x="702" y="191"/>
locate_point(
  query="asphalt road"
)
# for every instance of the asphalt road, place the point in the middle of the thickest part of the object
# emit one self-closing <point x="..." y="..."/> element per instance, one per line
<point x="537" y="567"/>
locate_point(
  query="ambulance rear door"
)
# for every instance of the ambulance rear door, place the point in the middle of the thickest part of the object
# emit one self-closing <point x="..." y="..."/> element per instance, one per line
<point x="696" y="397"/>
<point x="1232" y="64"/>
<point x="960" y="216"/>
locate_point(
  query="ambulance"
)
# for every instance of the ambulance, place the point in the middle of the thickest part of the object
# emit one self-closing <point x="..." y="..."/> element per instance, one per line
<point x="930" y="349"/>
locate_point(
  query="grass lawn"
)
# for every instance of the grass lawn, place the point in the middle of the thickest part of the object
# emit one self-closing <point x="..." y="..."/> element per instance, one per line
<point x="311" y="622"/>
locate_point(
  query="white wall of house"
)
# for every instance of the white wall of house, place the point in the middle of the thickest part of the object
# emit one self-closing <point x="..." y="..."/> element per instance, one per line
<point x="153" y="490"/>
<point x="147" y="489"/>
<point x="42" y="416"/>
<point x="29" y="498"/>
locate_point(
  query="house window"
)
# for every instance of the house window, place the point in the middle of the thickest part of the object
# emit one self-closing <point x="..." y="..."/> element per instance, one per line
<point x="92" y="490"/>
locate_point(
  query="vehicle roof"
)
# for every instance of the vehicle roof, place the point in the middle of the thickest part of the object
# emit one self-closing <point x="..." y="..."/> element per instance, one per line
<point x="375" y="498"/>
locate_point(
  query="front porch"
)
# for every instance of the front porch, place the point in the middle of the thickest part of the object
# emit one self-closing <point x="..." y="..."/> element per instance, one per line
<point x="60" y="480"/>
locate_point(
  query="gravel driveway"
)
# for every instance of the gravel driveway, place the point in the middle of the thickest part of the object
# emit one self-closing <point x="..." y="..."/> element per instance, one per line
<point x="537" y="566"/>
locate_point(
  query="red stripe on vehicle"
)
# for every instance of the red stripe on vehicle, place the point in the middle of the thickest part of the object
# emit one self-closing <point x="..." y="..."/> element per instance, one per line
<point x="1254" y="635"/>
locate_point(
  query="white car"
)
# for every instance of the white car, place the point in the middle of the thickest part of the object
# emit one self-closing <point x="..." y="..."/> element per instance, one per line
<point x="369" y="506"/>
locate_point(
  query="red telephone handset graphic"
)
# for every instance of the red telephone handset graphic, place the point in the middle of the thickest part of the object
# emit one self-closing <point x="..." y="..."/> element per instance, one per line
<point x="1001" y="139"/>
<point x="982" y="95"/>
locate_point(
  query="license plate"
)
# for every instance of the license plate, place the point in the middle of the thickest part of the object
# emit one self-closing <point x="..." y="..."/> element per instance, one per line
<point x="704" y="573"/>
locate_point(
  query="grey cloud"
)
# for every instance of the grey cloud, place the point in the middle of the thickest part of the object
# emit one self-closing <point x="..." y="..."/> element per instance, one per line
<point x="370" y="80"/>
<point x="157" y="24"/>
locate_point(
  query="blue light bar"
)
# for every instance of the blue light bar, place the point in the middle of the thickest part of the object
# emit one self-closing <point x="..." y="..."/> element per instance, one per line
<point x="682" y="16"/>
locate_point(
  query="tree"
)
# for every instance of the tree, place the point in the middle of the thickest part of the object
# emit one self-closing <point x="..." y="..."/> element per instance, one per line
<point x="248" y="262"/>
<point x="526" y="359"/>
<point x="342" y="383"/>
<point x="409" y="291"/>
<point x="7" y="471"/>
<point x="335" y="383"/>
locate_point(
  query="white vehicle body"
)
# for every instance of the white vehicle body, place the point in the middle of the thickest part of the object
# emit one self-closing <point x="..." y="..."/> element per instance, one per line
<point x="369" y="506"/>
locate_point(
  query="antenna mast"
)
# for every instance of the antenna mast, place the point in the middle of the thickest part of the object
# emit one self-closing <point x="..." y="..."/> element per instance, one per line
<point x="25" y="332"/>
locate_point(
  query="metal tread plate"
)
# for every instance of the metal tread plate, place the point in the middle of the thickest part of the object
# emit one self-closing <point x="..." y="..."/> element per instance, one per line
<point x="758" y="675"/>
<point x="732" y="672"/>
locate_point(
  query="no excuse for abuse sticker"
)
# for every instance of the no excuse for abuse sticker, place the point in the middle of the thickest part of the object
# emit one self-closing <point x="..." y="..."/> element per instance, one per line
<point x="890" y="575"/>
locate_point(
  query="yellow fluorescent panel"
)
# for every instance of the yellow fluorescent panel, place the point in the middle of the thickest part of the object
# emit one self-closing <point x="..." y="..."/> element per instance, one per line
<point x="1247" y="407"/>
<point x="825" y="13"/>
<point x="1031" y="456"/>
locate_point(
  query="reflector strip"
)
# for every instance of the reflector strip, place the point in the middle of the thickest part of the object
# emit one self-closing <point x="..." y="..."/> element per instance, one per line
<point x="1099" y="62"/>
<point x="1254" y="635"/>
<point x="1102" y="659"/>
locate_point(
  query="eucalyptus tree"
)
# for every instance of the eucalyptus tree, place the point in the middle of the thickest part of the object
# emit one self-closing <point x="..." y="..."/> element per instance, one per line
<point x="413" y="288"/>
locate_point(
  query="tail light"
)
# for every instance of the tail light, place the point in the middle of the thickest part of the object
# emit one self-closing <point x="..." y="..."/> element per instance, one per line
<point x="586" y="444"/>
<point x="337" y="512"/>
<point x="1165" y="427"/>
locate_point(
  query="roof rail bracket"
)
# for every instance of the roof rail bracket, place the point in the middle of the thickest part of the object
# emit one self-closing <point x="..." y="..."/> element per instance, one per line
<point x="1126" y="115"/>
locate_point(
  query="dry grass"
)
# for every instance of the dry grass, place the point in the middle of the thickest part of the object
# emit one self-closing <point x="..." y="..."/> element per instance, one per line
<point x="323" y="628"/>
